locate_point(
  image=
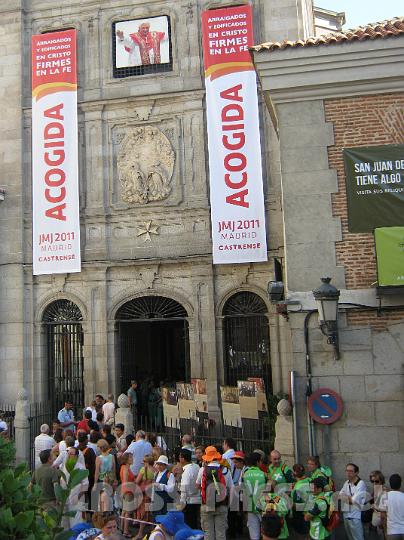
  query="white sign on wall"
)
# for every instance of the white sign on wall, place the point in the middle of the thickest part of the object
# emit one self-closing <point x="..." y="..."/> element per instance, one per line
<point x="55" y="223"/>
<point x="236" y="187"/>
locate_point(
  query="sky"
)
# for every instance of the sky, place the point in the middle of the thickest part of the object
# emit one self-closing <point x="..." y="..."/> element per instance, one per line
<point x="360" y="12"/>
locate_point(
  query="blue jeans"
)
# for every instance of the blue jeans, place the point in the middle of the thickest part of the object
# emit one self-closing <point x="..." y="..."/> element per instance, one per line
<point x="353" y="528"/>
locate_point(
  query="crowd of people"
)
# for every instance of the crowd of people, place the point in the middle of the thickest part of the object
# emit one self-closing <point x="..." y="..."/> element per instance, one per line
<point x="141" y="488"/>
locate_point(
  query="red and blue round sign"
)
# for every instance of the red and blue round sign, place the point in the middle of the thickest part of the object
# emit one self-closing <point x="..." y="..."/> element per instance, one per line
<point x="325" y="406"/>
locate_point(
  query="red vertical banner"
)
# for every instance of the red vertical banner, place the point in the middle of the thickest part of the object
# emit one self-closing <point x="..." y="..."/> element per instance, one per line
<point x="55" y="222"/>
<point x="236" y="185"/>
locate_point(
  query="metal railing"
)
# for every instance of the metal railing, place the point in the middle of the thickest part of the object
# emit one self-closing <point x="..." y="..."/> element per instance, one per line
<point x="7" y="414"/>
<point x="257" y="435"/>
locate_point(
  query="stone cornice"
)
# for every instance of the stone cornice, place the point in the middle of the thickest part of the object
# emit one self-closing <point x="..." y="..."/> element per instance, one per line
<point x="330" y="71"/>
<point x="195" y="96"/>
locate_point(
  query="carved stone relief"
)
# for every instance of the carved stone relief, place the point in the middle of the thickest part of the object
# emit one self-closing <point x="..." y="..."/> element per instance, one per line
<point x="145" y="165"/>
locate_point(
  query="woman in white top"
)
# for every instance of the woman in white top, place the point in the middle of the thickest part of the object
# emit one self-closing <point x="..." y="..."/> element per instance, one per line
<point x="93" y="410"/>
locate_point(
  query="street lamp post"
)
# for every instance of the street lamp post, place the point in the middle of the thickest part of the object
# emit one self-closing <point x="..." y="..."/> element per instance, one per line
<point x="326" y="297"/>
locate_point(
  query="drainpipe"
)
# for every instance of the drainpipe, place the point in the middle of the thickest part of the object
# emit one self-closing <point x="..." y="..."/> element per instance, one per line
<point x="309" y="388"/>
<point x="294" y="416"/>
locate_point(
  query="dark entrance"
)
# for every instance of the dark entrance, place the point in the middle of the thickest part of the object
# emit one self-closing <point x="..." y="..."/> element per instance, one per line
<point x="153" y="341"/>
<point x="64" y="335"/>
<point x="246" y="339"/>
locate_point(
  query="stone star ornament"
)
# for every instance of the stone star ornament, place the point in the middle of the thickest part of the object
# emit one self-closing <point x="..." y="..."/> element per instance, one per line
<point x="147" y="229"/>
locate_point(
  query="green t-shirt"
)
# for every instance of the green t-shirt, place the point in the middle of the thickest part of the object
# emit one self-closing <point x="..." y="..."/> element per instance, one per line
<point x="300" y="494"/>
<point x="46" y="477"/>
<point x="276" y="503"/>
<point x="281" y="474"/>
<point x="319" y="511"/>
<point x="254" y="482"/>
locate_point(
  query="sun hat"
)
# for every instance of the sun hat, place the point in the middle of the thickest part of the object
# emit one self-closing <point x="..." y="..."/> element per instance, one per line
<point x="211" y="454"/>
<point x="163" y="460"/>
<point x="239" y="455"/>
<point x="172" y="521"/>
<point x="189" y="534"/>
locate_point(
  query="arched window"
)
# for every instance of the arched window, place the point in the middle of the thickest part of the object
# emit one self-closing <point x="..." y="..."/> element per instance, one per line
<point x="151" y="307"/>
<point x="64" y="340"/>
<point x="153" y="343"/>
<point x="246" y="339"/>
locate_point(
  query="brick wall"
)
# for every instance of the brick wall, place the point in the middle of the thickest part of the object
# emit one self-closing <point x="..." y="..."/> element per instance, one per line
<point x="361" y="121"/>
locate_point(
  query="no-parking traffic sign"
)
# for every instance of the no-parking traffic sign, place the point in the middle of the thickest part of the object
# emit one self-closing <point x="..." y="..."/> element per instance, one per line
<point x="325" y="406"/>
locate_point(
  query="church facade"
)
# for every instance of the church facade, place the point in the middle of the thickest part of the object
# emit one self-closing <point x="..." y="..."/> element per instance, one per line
<point x="148" y="302"/>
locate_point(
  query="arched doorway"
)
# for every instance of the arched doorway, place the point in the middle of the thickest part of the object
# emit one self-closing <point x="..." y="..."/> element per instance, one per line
<point x="246" y="339"/>
<point x="153" y="341"/>
<point x="64" y="346"/>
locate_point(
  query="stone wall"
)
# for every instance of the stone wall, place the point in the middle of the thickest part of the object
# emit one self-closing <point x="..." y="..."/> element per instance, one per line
<point x="369" y="376"/>
<point x="12" y="307"/>
<point x="361" y="121"/>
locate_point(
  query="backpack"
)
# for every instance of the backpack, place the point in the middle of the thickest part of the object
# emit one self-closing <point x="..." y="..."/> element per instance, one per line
<point x="326" y="471"/>
<point x="332" y="518"/>
<point x="213" y="486"/>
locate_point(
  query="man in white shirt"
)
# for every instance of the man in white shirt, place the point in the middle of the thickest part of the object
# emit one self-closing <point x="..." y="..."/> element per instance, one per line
<point x="3" y="427"/>
<point x="229" y="446"/>
<point x="353" y="497"/>
<point x="64" y="454"/>
<point x="42" y="442"/>
<point x="139" y="448"/>
<point x="187" y="443"/>
<point x="190" y="495"/>
<point x="392" y="507"/>
<point x="108" y="410"/>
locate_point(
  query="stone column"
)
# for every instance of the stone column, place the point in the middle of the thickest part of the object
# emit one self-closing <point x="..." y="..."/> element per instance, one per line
<point x="123" y="414"/>
<point x="93" y="171"/>
<point x="206" y="316"/>
<point x="284" y="432"/>
<point x="21" y="425"/>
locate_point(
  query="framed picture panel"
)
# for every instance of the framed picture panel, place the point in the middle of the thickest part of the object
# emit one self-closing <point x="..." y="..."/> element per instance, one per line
<point x="141" y="46"/>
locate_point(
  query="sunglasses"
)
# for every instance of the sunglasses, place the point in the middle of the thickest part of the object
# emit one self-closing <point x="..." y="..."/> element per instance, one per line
<point x="374" y="481"/>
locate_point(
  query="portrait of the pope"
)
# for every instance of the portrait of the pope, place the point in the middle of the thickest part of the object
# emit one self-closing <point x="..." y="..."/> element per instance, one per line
<point x="142" y="42"/>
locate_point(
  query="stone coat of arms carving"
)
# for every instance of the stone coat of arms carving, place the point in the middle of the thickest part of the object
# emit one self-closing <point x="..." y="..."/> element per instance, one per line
<point x="145" y="165"/>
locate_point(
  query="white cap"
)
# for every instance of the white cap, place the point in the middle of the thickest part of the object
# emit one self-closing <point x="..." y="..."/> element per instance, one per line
<point x="163" y="460"/>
